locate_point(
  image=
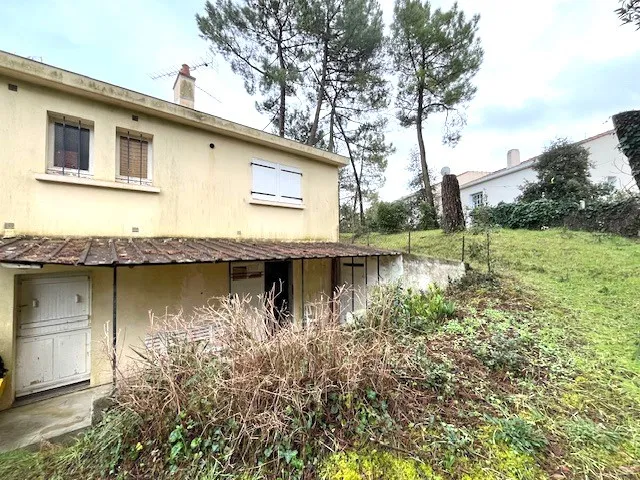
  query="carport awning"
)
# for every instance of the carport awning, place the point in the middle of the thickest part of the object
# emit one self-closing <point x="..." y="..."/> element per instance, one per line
<point x="101" y="251"/>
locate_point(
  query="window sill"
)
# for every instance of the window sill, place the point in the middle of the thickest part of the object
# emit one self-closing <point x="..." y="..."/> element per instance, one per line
<point x="88" y="182"/>
<point x="267" y="203"/>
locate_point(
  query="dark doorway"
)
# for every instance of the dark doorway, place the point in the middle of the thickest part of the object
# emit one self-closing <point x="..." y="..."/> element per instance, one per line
<point x="277" y="278"/>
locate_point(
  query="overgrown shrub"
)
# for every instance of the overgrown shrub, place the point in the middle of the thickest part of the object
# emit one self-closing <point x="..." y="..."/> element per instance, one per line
<point x="392" y="217"/>
<point x="394" y="307"/>
<point x="251" y="400"/>
<point x="618" y="215"/>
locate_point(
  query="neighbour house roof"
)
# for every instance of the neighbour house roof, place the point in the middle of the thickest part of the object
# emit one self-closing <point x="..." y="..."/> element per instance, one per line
<point x="39" y="73"/>
<point x="527" y="163"/>
<point x="101" y="251"/>
<point x="461" y="179"/>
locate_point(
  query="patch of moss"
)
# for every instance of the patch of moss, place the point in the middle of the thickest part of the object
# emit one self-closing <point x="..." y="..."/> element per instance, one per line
<point x="504" y="463"/>
<point x="374" y="465"/>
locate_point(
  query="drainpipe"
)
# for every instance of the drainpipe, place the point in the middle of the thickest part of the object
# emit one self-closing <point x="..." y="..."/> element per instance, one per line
<point x="302" y="294"/>
<point x="114" y="322"/>
<point x="353" y="287"/>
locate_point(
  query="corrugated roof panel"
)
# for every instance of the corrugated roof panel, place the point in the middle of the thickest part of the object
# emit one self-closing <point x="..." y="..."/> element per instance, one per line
<point x="101" y="251"/>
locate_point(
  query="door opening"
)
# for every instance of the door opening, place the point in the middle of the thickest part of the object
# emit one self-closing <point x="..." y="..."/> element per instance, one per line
<point x="277" y="279"/>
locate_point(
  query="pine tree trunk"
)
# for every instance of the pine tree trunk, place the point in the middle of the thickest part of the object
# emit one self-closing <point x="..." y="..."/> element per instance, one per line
<point x="312" y="140"/>
<point x="627" y="125"/>
<point x="452" y="214"/>
<point x="426" y="181"/>
<point x="283" y="89"/>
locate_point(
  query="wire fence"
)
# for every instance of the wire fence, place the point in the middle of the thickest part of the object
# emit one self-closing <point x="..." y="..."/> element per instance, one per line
<point x="471" y="247"/>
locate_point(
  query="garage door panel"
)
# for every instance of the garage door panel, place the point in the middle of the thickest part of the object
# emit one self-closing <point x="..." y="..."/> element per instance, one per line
<point x="54" y="333"/>
<point x="71" y="355"/>
<point x="35" y="363"/>
<point x="44" y="300"/>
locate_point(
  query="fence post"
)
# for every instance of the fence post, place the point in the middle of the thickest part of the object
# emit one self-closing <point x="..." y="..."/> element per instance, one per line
<point x="462" y="248"/>
<point x="488" y="254"/>
<point x="409" y="242"/>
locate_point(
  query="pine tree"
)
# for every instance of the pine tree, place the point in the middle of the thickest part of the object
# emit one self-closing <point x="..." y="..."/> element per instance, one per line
<point x="629" y="12"/>
<point x="263" y="43"/>
<point x="436" y="54"/>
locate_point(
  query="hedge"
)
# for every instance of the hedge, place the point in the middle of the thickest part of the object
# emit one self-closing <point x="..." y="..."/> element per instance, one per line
<point x="620" y="216"/>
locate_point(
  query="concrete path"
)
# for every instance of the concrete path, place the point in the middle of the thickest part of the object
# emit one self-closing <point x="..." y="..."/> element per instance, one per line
<point x="47" y="419"/>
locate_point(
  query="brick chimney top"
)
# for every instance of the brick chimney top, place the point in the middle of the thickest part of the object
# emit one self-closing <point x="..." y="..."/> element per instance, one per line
<point x="185" y="70"/>
<point x="184" y="87"/>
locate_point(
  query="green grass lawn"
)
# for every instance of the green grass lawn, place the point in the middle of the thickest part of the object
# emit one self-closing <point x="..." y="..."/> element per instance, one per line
<point x="595" y="277"/>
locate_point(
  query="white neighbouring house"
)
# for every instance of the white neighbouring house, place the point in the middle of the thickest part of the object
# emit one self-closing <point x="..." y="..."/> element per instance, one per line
<point x="608" y="164"/>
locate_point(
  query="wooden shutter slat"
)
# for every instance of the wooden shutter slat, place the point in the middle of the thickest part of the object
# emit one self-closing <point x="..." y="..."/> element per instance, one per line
<point x="134" y="164"/>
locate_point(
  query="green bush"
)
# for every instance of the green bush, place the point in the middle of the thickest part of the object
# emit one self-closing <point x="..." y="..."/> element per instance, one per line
<point x="409" y="310"/>
<point x="392" y="217"/>
<point x="620" y="216"/>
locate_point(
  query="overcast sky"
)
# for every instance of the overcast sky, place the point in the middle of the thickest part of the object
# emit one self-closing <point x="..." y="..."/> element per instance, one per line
<point x="559" y="68"/>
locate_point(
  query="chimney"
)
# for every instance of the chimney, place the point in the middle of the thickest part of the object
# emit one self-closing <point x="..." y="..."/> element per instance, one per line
<point x="513" y="157"/>
<point x="184" y="87"/>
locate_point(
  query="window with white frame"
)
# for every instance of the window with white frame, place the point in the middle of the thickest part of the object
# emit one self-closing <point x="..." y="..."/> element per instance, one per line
<point x="478" y="199"/>
<point x="70" y="145"/>
<point x="133" y="157"/>
<point x="276" y="183"/>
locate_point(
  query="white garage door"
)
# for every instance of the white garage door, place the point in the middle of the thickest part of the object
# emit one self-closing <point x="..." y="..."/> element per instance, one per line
<point x="54" y="333"/>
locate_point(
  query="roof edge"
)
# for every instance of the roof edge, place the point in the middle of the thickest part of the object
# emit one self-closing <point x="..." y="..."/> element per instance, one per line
<point x="42" y="74"/>
<point x="527" y="163"/>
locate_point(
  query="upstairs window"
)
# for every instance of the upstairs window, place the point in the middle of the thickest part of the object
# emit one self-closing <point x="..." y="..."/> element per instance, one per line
<point x="276" y="183"/>
<point x="133" y="154"/>
<point x="478" y="199"/>
<point x="71" y="141"/>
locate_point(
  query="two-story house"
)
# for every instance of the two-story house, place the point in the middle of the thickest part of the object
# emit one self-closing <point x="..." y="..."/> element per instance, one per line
<point x="114" y="204"/>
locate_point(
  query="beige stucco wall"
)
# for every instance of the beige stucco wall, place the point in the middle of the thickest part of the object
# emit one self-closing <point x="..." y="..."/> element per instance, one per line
<point x="142" y="290"/>
<point x="203" y="191"/>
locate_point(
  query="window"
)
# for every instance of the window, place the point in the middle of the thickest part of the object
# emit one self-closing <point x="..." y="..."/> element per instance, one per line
<point x="133" y="157"/>
<point x="276" y="183"/>
<point x="478" y="199"/>
<point x="71" y="145"/>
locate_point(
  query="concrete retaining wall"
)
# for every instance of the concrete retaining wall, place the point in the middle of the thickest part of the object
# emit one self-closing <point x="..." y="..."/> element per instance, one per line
<point x="419" y="272"/>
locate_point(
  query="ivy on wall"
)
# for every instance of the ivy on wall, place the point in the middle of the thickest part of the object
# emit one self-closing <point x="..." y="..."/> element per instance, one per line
<point x="627" y="125"/>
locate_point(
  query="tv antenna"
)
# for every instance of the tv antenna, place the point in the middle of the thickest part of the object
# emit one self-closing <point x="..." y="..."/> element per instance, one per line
<point x="173" y="71"/>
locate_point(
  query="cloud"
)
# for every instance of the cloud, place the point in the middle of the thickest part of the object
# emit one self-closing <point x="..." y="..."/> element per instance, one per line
<point x="581" y="90"/>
